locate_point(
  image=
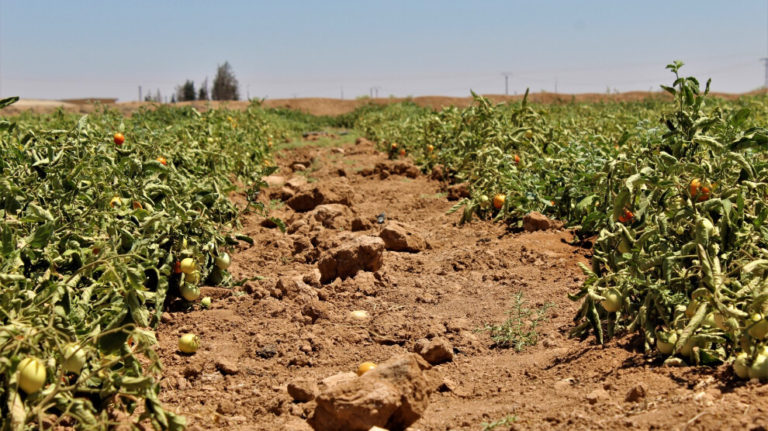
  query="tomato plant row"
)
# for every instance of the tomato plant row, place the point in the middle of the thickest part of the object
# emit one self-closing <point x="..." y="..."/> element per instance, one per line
<point x="105" y="219"/>
<point x="673" y="189"/>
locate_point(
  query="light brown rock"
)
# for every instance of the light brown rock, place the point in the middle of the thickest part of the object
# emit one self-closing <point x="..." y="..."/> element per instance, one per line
<point x="400" y="237"/>
<point x="435" y="351"/>
<point x="458" y="191"/>
<point x="393" y="396"/>
<point x="534" y="221"/>
<point x="303" y="390"/>
<point x="362" y="253"/>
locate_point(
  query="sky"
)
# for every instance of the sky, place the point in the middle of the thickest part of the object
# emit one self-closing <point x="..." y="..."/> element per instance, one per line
<point x="344" y="48"/>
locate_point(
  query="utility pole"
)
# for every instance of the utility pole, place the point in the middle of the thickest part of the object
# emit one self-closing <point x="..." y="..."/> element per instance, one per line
<point x="376" y="91"/>
<point x="506" y="82"/>
<point x="139" y="93"/>
<point x="765" y="63"/>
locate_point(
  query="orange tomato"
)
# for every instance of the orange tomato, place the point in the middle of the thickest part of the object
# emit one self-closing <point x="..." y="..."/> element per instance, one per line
<point x="402" y="152"/>
<point x="430" y="148"/>
<point x="162" y="160"/>
<point x="137" y="205"/>
<point x="698" y="190"/>
<point x="177" y="267"/>
<point x="394" y="146"/>
<point x="119" y="138"/>
<point x="517" y="159"/>
<point x="626" y="217"/>
<point x="365" y="367"/>
<point x="498" y="201"/>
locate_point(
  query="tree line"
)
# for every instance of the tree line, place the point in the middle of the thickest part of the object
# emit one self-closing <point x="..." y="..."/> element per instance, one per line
<point x="225" y="87"/>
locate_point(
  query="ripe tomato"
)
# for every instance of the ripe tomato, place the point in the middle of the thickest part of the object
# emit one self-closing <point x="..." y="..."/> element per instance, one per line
<point x="498" y="201"/>
<point x="162" y="160"/>
<point x="430" y="148"/>
<point x="119" y="138"/>
<point x="402" y="152"/>
<point x="115" y="201"/>
<point x="365" y="367"/>
<point x="626" y="217"/>
<point x="698" y="190"/>
<point x="517" y="159"/>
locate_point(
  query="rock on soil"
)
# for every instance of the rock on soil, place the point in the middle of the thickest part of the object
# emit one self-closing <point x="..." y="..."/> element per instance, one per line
<point x="308" y="196"/>
<point x="534" y="221"/>
<point x="400" y="237"/>
<point x="364" y="252"/>
<point x="303" y="390"/>
<point x="393" y="396"/>
<point x="436" y="351"/>
<point x="458" y="191"/>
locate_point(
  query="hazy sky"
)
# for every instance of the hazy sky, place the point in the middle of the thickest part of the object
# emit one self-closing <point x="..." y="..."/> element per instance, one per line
<point x="278" y="49"/>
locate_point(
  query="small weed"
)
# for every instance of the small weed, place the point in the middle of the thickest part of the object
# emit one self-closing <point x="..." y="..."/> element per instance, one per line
<point x="433" y="196"/>
<point x="275" y="204"/>
<point x="506" y="420"/>
<point x="519" y="330"/>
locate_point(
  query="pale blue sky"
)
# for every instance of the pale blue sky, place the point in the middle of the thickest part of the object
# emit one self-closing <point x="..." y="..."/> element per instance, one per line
<point x="278" y="49"/>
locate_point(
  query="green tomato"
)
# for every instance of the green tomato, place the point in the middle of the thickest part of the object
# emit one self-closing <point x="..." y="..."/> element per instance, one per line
<point x="189" y="343"/>
<point x="193" y="277"/>
<point x="188" y="265"/>
<point x="612" y="301"/>
<point x="32" y="375"/>
<point x="222" y="261"/>
<point x="665" y="342"/>
<point x="741" y="365"/>
<point x="206" y="302"/>
<point x="73" y="358"/>
<point x="759" y="368"/>
<point x="190" y="292"/>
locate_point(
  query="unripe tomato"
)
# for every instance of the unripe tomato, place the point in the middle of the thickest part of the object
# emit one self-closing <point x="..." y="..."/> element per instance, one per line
<point x="189" y="343"/>
<point x="32" y="375"/>
<point x="741" y="365"/>
<point x="192" y="277"/>
<point x="612" y="301"/>
<point x="498" y="201"/>
<point x="190" y="292"/>
<point x="206" y="302"/>
<point x="528" y="134"/>
<point x="119" y="138"/>
<point x="73" y="358"/>
<point x="222" y="261"/>
<point x="665" y="342"/>
<point x="365" y="367"/>
<point x="759" y="368"/>
<point x="115" y="201"/>
<point x="188" y="265"/>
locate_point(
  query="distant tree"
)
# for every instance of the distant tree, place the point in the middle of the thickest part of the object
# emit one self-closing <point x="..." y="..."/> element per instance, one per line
<point x="158" y="97"/>
<point x="225" y="84"/>
<point x="173" y="98"/>
<point x="203" y="93"/>
<point x="186" y="92"/>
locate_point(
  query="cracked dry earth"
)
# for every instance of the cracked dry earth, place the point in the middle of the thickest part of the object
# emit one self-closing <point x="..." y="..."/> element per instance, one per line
<point x="259" y="337"/>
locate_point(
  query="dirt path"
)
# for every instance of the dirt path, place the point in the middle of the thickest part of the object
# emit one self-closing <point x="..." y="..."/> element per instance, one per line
<point x="259" y="337"/>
